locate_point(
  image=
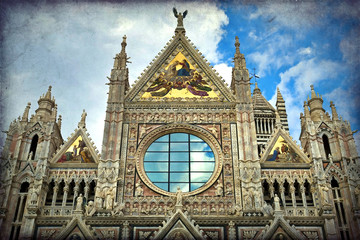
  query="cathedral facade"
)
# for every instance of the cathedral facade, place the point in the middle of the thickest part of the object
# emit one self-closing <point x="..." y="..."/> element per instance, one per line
<point x="184" y="156"/>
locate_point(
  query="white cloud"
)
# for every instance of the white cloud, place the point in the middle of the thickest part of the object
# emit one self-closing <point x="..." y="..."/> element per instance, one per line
<point x="305" y="51"/>
<point x="253" y="35"/>
<point x="225" y="71"/>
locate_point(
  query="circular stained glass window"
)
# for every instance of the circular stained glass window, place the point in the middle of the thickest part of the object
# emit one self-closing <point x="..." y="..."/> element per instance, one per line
<point x="179" y="159"/>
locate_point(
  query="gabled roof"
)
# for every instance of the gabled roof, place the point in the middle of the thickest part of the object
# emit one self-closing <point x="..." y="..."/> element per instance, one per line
<point x="210" y="87"/>
<point x="259" y="101"/>
<point x="279" y="224"/>
<point x="79" y="134"/>
<point x="76" y="226"/>
<point x="179" y="224"/>
<point x="288" y="151"/>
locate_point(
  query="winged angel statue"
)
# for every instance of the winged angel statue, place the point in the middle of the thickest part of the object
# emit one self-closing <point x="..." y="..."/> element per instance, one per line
<point x="180" y="17"/>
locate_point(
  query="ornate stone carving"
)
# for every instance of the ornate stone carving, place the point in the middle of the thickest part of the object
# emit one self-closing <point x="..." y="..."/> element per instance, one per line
<point x="219" y="188"/>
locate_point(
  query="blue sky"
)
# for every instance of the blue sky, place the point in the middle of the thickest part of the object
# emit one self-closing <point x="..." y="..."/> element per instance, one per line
<point x="71" y="47"/>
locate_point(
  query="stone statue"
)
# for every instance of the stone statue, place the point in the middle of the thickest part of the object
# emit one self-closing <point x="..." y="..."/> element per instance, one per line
<point x="34" y="196"/>
<point x="277" y="203"/>
<point x="257" y="199"/>
<point x="118" y="209"/>
<point x="219" y="189"/>
<point x="324" y="194"/>
<point x="267" y="210"/>
<point x="109" y="199"/>
<point x="99" y="200"/>
<point x="90" y="208"/>
<point x="82" y="121"/>
<point x="180" y="17"/>
<point x="139" y="192"/>
<point x="178" y="197"/>
<point x="79" y="202"/>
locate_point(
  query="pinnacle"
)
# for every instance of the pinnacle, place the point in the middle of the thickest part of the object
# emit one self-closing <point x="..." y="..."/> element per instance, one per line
<point x="257" y="89"/>
<point x="313" y="94"/>
<point x="279" y="95"/>
<point x="48" y="94"/>
<point x="237" y="44"/>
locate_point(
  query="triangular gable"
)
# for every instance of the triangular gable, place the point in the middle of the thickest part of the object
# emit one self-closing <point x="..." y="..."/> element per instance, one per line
<point x="324" y="127"/>
<point x="282" y="149"/>
<point x="180" y="71"/>
<point x="333" y="169"/>
<point x="179" y="225"/>
<point x="76" y="227"/>
<point x="279" y="225"/>
<point x="78" y="149"/>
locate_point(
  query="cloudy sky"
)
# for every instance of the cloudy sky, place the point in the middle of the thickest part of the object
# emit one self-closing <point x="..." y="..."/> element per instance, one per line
<point x="71" y="47"/>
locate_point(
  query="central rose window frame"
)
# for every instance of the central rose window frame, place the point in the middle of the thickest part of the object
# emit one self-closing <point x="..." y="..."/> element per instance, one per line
<point x="179" y="128"/>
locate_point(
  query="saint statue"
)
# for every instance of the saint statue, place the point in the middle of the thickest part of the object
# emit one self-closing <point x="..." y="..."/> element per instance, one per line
<point x="79" y="202"/>
<point x="277" y="202"/>
<point x="178" y="197"/>
<point x="82" y="121"/>
<point x="180" y="17"/>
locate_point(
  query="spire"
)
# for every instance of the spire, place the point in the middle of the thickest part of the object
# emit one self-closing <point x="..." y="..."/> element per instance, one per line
<point x="180" y="24"/>
<point x="121" y="58"/>
<point x="306" y="110"/>
<point x="239" y="59"/>
<point x="279" y="97"/>
<point x="256" y="89"/>
<point x="48" y="93"/>
<point x="281" y="108"/>
<point x="26" y="113"/>
<point x="333" y="110"/>
<point x="313" y="94"/>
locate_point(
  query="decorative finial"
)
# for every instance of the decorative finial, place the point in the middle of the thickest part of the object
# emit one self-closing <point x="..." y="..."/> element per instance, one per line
<point x="239" y="59"/>
<point x="335" y="116"/>
<point x="48" y="94"/>
<point x="26" y="113"/>
<point x="237" y="44"/>
<point x="180" y="17"/>
<point x="121" y="58"/>
<point x="313" y="94"/>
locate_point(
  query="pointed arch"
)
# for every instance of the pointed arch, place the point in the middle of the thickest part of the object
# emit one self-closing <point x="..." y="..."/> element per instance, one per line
<point x="326" y="145"/>
<point x="33" y="146"/>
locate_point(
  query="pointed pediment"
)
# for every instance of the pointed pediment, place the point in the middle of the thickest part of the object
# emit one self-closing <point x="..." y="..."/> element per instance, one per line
<point x="78" y="149"/>
<point x="280" y="226"/>
<point x="179" y="226"/>
<point x="180" y="72"/>
<point x="282" y="149"/>
<point x="76" y="229"/>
